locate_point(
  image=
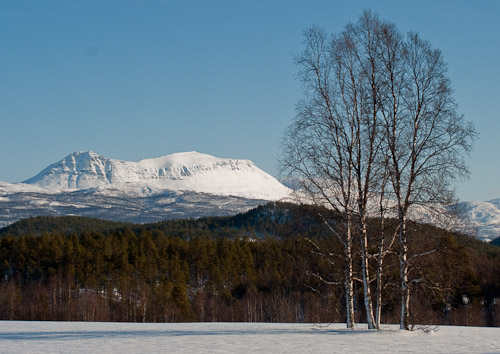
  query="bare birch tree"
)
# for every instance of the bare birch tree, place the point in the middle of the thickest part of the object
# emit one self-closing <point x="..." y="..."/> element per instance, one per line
<point x="426" y="138"/>
<point x="318" y="147"/>
<point x="334" y="141"/>
<point x="378" y="122"/>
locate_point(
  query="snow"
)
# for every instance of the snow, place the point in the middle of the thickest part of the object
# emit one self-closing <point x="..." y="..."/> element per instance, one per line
<point x="131" y="338"/>
<point x="181" y="185"/>
<point x="484" y="218"/>
<point x="142" y="206"/>
<point x="10" y="188"/>
<point x="187" y="171"/>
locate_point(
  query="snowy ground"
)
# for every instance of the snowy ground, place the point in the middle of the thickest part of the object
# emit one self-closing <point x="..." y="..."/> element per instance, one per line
<point x="130" y="338"/>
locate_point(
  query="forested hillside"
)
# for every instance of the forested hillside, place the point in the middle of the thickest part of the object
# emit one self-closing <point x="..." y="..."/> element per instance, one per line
<point x="275" y="263"/>
<point x="62" y="224"/>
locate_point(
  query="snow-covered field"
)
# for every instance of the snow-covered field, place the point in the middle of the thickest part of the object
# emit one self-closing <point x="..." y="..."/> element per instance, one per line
<point x="130" y="338"/>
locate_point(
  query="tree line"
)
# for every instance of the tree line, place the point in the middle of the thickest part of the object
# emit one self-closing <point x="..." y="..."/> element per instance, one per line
<point x="145" y="274"/>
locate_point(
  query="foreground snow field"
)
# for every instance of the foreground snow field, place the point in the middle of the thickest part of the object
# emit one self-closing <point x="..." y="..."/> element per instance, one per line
<point x="130" y="338"/>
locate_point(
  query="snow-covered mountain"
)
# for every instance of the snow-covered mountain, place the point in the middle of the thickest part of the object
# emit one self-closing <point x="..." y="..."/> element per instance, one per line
<point x="181" y="185"/>
<point x="187" y="171"/>
<point x="484" y="218"/>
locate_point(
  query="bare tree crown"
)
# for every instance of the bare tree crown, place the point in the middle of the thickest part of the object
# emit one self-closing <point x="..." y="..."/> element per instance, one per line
<point x="376" y="102"/>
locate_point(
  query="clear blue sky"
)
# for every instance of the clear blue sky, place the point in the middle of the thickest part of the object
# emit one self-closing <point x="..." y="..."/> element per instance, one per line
<point x="133" y="79"/>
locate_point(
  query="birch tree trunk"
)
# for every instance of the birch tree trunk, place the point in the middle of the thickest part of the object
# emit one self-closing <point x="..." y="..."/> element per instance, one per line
<point x="349" y="279"/>
<point x="366" y="277"/>
<point x="378" y="293"/>
<point x="403" y="272"/>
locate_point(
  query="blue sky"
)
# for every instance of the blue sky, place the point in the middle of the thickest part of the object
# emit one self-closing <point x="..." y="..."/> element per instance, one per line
<point x="133" y="79"/>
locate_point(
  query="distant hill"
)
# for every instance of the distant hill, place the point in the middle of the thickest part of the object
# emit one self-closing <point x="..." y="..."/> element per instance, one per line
<point x="274" y="219"/>
<point x="484" y="217"/>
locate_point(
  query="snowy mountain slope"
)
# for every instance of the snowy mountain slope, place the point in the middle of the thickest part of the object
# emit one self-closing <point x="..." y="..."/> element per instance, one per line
<point x="188" y="171"/>
<point x="118" y="206"/>
<point x="484" y="218"/>
<point x="182" y="185"/>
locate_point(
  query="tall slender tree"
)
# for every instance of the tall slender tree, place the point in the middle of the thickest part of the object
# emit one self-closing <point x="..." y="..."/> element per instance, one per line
<point x="425" y="136"/>
<point x="319" y="145"/>
<point x="378" y="121"/>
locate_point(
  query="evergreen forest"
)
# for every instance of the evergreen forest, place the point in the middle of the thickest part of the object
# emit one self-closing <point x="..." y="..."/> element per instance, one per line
<point x="275" y="263"/>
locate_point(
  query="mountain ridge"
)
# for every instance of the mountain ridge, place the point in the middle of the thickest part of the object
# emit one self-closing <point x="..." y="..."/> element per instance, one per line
<point x="187" y="171"/>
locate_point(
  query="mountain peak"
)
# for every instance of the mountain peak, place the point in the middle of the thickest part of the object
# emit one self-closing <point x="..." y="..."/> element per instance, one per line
<point x="88" y="153"/>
